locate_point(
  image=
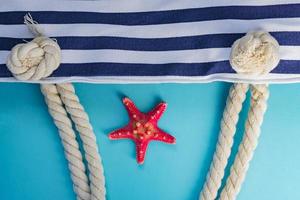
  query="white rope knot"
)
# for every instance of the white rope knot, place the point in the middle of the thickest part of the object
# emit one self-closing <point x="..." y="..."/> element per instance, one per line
<point x="257" y="53"/>
<point x="34" y="60"/>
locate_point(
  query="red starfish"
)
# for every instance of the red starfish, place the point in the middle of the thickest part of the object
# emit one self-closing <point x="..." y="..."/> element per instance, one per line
<point x="142" y="128"/>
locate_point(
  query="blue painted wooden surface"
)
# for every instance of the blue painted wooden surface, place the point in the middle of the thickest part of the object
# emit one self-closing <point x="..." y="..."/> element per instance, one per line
<point x="33" y="167"/>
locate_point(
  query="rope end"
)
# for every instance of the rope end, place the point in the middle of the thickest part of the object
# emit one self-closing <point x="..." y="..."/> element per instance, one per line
<point x="33" y="26"/>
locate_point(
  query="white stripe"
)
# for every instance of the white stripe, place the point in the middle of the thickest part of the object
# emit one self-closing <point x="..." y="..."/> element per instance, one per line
<point x="126" y="5"/>
<point x="156" y="31"/>
<point x="270" y="78"/>
<point x="148" y="57"/>
<point x="156" y="57"/>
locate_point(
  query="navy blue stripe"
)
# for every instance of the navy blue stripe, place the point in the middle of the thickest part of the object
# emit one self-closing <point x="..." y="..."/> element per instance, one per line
<point x="125" y="69"/>
<point x="157" y="17"/>
<point x="172" y="69"/>
<point x="157" y="44"/>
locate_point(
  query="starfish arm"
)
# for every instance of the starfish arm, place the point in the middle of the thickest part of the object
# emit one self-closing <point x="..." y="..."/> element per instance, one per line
<point x="122" y="133"/>
<point x="157" y="112"/>
<point x="164" y="137"/>
<point x="132" y="110"/>
<point x="141" y="148"/>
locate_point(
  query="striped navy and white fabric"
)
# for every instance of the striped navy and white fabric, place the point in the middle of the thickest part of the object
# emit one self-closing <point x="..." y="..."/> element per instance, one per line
<point x="124" y="41"/>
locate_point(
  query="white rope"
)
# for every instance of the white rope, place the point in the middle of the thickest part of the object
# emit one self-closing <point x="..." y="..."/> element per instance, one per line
<point x="87" y="135"/>
<point x="235" y="99"/>
<point x="83" y="126"/>
<point x="36" y="60"/>
<point x="259" y="97"/>
<point x="68" y="138"/>
<point x="257" y="53"/>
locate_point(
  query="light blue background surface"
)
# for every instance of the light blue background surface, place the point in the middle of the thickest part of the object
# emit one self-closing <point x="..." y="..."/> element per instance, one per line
<point x="33" y="167"/>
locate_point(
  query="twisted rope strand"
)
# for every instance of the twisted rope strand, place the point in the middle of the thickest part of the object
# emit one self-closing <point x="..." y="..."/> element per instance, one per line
<point x="87" y="135"/>
<point x="235" y="99"/>
<point x="260" y="95"/>
<point x="68" y="139"/>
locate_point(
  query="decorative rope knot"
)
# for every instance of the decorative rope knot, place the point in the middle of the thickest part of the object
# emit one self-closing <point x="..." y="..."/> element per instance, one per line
<point x="34" y="60"/>
<point x="257" y="53"/>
